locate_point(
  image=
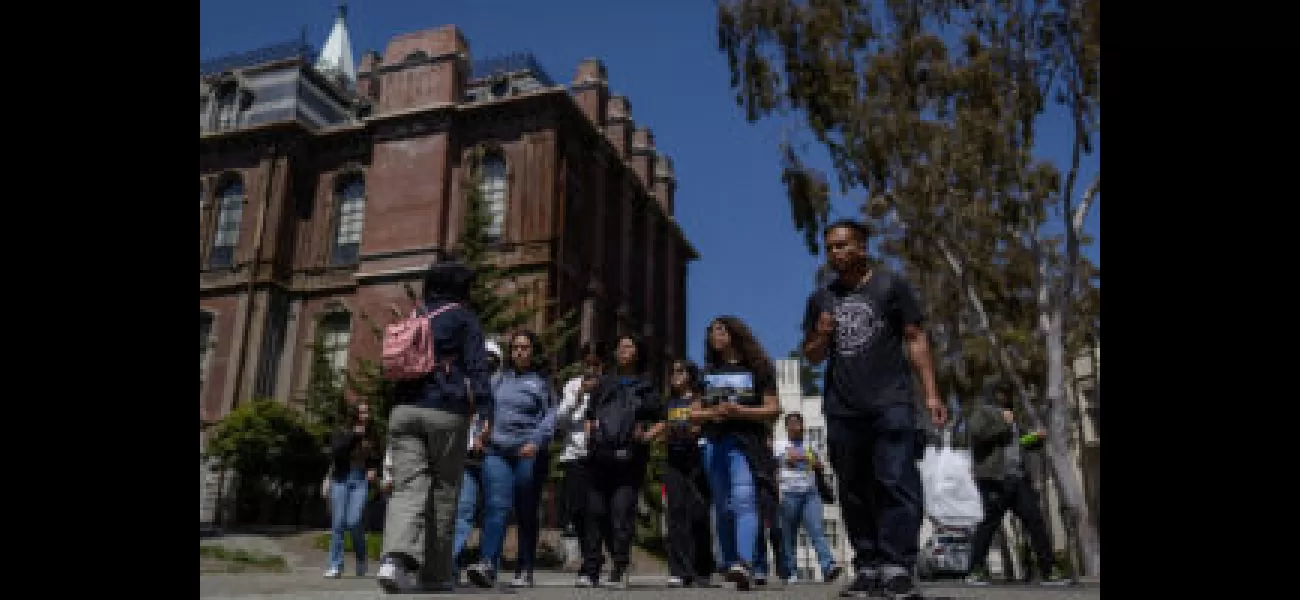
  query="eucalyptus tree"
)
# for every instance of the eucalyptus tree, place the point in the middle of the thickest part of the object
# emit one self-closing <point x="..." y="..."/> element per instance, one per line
<point x="930" y="109"/>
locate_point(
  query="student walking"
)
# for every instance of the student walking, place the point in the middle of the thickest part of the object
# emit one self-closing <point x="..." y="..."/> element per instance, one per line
<point x="427" y="432"/>
<point x="355" y="459"/>
<point x="523" y="424"/>
<point x="739" y="406"/>
<point x="801" y="503"/>
<point x="867" y="324"/>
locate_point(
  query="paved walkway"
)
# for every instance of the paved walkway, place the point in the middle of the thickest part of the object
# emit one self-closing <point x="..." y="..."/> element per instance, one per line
<point x="558" y="586"/>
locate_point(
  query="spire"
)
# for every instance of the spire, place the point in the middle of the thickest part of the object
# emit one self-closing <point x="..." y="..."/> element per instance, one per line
<point x="336" y="56"/>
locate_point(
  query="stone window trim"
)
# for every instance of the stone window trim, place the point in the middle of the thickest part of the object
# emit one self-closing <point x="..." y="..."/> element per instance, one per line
<point x="211" y="100"/>
<point x="343" y="177"/>
<point x="207" y="348"/>
<point x="213" y="231"/>
<point x="482" y="153"/>
<point x="336" y="311"/>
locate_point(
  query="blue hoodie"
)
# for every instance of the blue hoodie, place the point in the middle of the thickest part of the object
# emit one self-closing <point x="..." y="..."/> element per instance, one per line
<point x="523" y="411"/>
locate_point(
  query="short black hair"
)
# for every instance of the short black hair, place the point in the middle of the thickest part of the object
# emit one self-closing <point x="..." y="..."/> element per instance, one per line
<point x="448" y="281"/>
<point x="793" y="415"/>
<point x="859" y="228"/>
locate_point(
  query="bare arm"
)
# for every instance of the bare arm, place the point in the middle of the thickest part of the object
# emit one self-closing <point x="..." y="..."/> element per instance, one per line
<point x="699" y="414"/>
<point x="817" y="328"/>
<point x="769" y="411"/>
<point x="918" y="350"/>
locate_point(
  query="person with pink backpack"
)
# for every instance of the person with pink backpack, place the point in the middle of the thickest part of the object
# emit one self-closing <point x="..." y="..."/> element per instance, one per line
<point x="437" y="358"/>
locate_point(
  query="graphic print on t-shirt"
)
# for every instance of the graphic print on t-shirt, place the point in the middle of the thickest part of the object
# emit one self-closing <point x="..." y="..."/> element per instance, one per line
<point x="857" y="325"/>
<point x="734" y="387"/>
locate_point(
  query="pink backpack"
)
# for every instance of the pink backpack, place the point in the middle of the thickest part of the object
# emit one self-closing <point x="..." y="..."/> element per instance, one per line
<point x="408" y="346"/>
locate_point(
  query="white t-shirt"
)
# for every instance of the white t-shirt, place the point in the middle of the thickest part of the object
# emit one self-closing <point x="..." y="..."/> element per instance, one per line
<point x="571" y="419"/>
<point x="797" y="475"/>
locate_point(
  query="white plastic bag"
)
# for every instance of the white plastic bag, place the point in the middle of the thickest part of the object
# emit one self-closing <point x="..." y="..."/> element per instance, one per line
<point x="951" y="497"/>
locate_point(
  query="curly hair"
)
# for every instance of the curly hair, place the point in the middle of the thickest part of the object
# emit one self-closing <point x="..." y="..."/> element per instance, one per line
<point x="539" y="364"/>
<point x="752" y="356"/>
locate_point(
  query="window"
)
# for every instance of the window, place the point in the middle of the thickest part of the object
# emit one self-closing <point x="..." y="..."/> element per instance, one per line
<point x="815" y="436"/>
<point x="230" y="207"/>
<point x="493" y="189"/>
<point x="205" y="347"/>
<point x="228" y="108"/>
<point x="349" y="219"/>
<point x="336" y="335"/>
<point x="832" y="529"/>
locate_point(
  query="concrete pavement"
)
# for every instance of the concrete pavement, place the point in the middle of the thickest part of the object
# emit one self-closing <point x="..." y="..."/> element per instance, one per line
<point x="558" y="586"/>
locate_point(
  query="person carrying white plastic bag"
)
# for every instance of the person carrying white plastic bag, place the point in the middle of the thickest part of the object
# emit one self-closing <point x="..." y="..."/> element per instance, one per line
<point x="951" y="497"/>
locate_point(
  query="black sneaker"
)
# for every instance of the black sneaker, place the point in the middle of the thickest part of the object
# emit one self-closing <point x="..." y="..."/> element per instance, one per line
<point x="739" y="575"/>
<point x="832" y="573"/>
<point x="617" y="578"/>
<point x="900" y="587"/>
<point x="864" y="584"/>
<point x="482" y="575"/>
<point x="586" y="581"/>
<point x="1054" y="581"/>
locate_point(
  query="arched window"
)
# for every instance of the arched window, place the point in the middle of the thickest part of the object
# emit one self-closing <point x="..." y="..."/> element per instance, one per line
<point x="227" y="108"/>
<point x="350" y="200"/>
<point x="230" y="212"/>
<point x="336" y="336"/>
<point x="493" y="189"/>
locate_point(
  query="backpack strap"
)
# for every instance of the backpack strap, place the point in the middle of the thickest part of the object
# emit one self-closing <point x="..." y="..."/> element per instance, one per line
<point x="441" y="309"/>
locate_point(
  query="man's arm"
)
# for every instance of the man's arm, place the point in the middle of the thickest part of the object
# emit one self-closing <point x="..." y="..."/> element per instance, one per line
<point x="816" y="337"/>
<point x="918" y="351"/>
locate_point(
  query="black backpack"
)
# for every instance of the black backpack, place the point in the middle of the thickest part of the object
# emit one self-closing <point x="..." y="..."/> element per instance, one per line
<point x="613" y="437"/>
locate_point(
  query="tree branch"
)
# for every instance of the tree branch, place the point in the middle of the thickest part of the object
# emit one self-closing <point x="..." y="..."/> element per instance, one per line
<point x="982" y="320"/>
<point x="1085" y="205"/>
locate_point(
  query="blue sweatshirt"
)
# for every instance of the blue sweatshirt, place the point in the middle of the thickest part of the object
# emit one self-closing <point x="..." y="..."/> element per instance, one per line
<point x="523" y="411"/>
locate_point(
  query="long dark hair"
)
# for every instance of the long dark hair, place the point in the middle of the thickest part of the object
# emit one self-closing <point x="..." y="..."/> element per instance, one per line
<point x="448" y="281"/>
<point x="752" y="356"/>
<point x="539" y="364"/>
<point x="639" y="343"/>
<point x="693" y="380"/>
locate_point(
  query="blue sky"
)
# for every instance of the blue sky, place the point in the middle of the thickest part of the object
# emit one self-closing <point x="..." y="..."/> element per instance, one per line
<point x="663" y="56"/>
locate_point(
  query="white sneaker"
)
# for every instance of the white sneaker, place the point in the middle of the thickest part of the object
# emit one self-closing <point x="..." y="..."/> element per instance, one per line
<point x="393" y="577"/>
<point x="332" y="573"/>
<point x="793" y="579"/>
<point x="673" y="581"/>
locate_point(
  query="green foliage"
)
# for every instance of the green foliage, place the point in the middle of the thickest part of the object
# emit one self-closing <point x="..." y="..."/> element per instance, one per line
<point x="500" y="295"/>
<point x="374" y="543"/>
<point x="242" y="560"/>
<point x="265" y="440"/>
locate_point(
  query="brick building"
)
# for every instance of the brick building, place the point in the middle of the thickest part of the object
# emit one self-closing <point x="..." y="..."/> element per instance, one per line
<point x="326" y="187"/>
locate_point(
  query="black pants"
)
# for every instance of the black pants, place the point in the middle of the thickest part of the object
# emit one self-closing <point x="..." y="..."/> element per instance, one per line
<point x="879" y="485"/>
<point x="573" y="499"/>
<point x="611" y="514"/>
<point x="1018" y="496"/>
<point x="690" y="543"/>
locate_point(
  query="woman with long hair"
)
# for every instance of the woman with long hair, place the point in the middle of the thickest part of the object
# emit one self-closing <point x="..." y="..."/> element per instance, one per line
<point x="617" y="451"/>
<point x="355" y="455"/>
<point x="690" y="553"/>
<point x="737" y="411"/>
<point x="523" y="424"/>
<point x="428" y="435"/>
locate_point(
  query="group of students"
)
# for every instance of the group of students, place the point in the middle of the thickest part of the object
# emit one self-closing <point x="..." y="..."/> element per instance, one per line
<point x="464" y="428"/>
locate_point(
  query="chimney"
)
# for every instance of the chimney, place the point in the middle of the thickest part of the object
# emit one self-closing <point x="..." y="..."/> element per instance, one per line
<point x="618" y="124"/>
<point x="665" y="183"/>
<point x="423" y="68"/>
<point x="591" y="90"/>
<point x="367" y="76"/>
<point x="643" y="156"/>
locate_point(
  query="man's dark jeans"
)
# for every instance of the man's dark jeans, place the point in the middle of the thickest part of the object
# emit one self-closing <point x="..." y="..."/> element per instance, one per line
<point x="1017" y="495"/>
<point x="879" y="484"/>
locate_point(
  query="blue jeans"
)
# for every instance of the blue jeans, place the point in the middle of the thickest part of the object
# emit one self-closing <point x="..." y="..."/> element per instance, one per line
<point x="735" y="502"/>
<point x="508" y="482"/>
<point x="347" y="501"/>
<point x="803" y="507"/>
<point x="466" y="507"/>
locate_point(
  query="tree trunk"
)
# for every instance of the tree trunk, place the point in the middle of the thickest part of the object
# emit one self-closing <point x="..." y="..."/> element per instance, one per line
<point x="1057" y="448"/>
<point x="1069" y="487"/>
